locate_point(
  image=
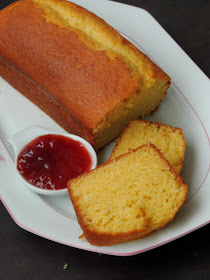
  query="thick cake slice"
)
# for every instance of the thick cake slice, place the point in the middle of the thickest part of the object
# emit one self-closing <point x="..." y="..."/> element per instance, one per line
<point x="77" y="68"/>
<point x="128" y="197"/>
<point x="169" y="140"/>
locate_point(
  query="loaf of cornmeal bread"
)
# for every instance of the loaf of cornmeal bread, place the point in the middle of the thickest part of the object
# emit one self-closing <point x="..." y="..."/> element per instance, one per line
<point x="169" y="140"/>
<point x="77" y="68"/>
<point x="128" y="197"/>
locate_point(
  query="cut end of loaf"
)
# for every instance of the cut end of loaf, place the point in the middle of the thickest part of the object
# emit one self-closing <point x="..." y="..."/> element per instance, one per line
<point x="138" y="105"/>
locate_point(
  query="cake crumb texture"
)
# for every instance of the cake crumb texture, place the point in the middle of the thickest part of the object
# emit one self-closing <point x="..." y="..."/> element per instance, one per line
<point x="128" y="197"/>
<point x="169" y="140"/>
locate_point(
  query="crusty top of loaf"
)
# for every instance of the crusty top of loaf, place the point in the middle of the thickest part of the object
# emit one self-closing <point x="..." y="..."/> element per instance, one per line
<point x="80" y="61"/>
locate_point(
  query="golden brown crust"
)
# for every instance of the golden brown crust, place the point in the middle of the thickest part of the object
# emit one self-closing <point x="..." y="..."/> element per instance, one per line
<point x="40" y="98"/>
<point x="94" y="77"/>
<point x="156" y="72"/>
<point x="105" y="239"/>
<point x="81" y="71"/>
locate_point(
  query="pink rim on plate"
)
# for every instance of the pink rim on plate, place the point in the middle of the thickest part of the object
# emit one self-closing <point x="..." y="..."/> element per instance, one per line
<point x="108" y="252"/>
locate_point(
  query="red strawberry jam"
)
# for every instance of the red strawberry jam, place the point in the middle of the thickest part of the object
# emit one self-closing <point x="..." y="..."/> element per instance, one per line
<point x="50" y="161"/>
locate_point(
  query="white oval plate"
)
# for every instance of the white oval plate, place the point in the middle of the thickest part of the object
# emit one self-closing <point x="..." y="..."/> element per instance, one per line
<point x="186" y="106"/>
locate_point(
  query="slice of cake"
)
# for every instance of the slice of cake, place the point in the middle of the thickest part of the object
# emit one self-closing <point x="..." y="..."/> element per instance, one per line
<point x="128" y="197"/>
<point x="169" y="140"/>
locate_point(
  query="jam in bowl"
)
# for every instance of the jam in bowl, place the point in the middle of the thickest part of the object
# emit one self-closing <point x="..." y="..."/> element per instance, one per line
<point x="46" y="161"/>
